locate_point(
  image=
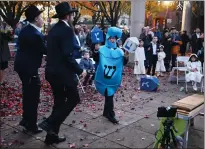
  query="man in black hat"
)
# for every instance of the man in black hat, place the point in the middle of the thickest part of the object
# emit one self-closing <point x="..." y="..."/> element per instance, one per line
<point x="61" y="70"/>
<point x="28" y="59"/>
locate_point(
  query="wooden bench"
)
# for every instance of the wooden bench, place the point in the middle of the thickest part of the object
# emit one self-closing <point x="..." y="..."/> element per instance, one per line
<point x="188" y="108"/>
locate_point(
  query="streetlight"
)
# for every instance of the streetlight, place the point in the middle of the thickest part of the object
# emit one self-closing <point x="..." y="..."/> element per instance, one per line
<point x="167" y="3"/>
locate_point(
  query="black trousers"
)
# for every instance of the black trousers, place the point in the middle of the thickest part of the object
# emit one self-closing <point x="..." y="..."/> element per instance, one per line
<point x="152" y="64"/>
<point x="174" y="58"/>
<point x="109" y="105"/>
<point x="167" y="63"/>
<point x="65" y="100"/>
<point x="87" y="78"/>
<point x="31" y="94"/>
<point x="183" y="50"/>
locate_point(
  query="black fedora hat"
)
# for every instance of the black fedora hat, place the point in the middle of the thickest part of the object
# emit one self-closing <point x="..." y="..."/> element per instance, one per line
<point x="31" y="12"/>
<point x="63" y="9"/>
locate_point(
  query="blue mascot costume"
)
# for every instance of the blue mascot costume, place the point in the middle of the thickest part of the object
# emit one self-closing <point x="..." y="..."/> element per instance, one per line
<point x="109" y="71"/>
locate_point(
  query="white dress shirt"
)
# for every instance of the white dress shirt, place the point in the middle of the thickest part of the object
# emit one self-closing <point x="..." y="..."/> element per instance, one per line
<point x="76" y="36"/>
<point x="36" y="27"/>
<point x="198" y="35"/>
<point x="66" y="23"/>
<point x="154" y="47"/>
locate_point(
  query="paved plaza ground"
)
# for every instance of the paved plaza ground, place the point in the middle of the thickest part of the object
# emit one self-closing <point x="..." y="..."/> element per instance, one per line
<point x="87" y="128"/>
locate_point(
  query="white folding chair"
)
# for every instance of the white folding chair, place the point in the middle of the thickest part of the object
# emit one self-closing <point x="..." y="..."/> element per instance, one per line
<point x="184" y="60"/>
<point x="80" y="80"/>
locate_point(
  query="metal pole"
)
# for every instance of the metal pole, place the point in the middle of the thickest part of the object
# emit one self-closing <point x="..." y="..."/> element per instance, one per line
<point x="44" y="25"/>
<point x="48" y="19"/>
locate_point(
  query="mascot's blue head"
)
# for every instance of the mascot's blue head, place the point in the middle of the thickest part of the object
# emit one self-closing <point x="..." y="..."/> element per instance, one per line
<point x="112" y="32"/>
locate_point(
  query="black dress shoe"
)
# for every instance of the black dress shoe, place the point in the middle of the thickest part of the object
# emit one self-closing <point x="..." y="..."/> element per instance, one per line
<point x="35" y="131"/>
<point x="112" y="119"/>
<point x="45" y="126"/>
<point x="23" y="123"/>
<point x="51" y="139"/>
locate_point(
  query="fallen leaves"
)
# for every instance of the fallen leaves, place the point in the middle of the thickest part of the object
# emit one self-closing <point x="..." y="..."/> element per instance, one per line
<point x="72" y="145"/>
<point x="85" y="145"/>
<point x="92" y="101"/>
<point x="146" y="116"/>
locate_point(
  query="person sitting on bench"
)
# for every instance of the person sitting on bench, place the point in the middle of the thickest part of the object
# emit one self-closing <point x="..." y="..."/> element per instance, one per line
<point x="87" y="64"/>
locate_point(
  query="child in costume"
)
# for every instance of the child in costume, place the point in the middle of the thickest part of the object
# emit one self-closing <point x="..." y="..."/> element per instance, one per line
<point x="108" y="75"/>
<point x="194" y="68"/>
<point x="160" y="63"/>
<point x="139" y="68"/>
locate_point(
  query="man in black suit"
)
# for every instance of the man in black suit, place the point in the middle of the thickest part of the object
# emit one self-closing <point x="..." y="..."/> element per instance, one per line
<point x="28" y="60"/>
<point x="152" y="55"/>
<point x="61" y="70"/>
<point x="197" y="41"/>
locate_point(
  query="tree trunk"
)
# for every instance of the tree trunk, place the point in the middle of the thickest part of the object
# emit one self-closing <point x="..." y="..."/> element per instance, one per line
<point x="76" y="19"/>
<point x="137" y="21"/>
<point x="102" y="21"/>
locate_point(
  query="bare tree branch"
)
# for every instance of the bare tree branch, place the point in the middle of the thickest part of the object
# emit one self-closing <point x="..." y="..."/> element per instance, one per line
<point x="4" y="17"/>
<point x="19" y="7"/>
<point x="3" y="8"/>
<point x="111" y="9"/>
<point x="103" y="8"/>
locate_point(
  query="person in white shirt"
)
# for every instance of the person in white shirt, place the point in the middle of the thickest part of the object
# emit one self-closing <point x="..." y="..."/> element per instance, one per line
<point x="194" y="68"/>
<point x="139" y="68"/>
<point x="160" y="68"/>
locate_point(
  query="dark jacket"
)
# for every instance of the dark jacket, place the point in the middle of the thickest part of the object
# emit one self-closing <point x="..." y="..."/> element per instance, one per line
<point x="185" y="40"/>
<point x="158" y="34"/>
<point x="196" y="43"/>
<point x="150" y="52"/>
<point x="124" y="37"/>
<point x="61" y="65"/>
<point x="77" y="47"/>
<point x="4" y="48"/>
<point x="86" y="64"/>
<point x="104" y="37"/>
<point x="167" y="47"/>
<point x="200" y="55"/>
<point x="30" y="51"/>
<point x="146" y="39"/>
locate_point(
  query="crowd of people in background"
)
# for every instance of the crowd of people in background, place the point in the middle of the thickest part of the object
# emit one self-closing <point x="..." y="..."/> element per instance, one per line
<point x="174" y="43"/>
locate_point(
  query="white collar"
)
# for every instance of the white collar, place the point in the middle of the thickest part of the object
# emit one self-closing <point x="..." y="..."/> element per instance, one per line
<point x="66" y="23"/>
<point x="154" y="43"/>
<point x="36" y="27"/>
